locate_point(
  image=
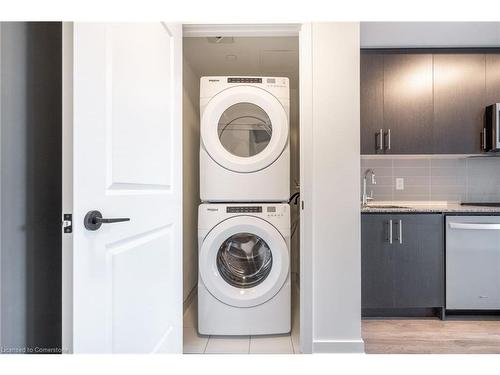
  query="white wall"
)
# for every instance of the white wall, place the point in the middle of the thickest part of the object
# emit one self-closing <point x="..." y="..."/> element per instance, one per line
<point x="332" y="188"/>
<point x="294" y="181"/>
<point x="430" y="34"/>
<point x="191" y="193"/>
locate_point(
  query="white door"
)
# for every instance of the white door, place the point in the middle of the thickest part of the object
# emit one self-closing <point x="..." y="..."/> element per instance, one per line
<point x="122" y="86"/>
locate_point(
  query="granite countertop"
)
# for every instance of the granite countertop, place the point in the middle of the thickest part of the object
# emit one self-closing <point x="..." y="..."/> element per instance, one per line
<point x="424" y="207"/>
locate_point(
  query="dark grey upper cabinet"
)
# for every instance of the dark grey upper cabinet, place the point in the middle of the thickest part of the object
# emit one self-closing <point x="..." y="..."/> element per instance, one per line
<point x="459" y="99"/>
<point x="430" y="102"/>
<point x="372" y="100"/>
<point x="492" y="79"/>
<point x="408" y="108"/>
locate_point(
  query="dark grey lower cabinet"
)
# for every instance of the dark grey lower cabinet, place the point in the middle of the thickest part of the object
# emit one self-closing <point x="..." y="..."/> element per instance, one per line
<point x="402" y="258"/>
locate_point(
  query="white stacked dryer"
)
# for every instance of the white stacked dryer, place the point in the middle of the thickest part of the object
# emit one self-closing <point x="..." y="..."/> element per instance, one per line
<point x="244" y="222"/>
<point x="245" y="144"/>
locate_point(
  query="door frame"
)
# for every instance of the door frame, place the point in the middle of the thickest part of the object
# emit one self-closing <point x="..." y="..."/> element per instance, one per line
<point x="67" y="187"/>
<point x="304" y="32"/>
<point x="306" y="167"/>
<point x="1" y="291"/>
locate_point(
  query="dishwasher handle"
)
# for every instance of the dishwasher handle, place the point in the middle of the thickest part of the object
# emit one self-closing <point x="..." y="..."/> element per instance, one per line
<point x="475" y="226"/>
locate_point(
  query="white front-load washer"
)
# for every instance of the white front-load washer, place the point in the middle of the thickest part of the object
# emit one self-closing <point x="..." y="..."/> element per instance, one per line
<point x="244" y="269"/>
<point x="244" y="139"/>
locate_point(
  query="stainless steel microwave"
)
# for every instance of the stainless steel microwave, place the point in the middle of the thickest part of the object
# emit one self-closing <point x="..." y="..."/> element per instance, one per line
<point x="491" y="130"/>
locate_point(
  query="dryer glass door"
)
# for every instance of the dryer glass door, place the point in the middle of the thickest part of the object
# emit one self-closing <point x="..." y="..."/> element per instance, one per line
<point x="244" y="129"/>
<point x="244" y="260"/>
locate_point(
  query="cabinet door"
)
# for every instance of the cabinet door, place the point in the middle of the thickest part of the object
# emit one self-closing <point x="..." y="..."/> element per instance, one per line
<point x="372" y="99"/>
<point x="418" y="252"/>
<point x="492" y="79"/>
<point x="459" y="96"/>
<point x="408" y="103"/>
<point x="376" y="262"/>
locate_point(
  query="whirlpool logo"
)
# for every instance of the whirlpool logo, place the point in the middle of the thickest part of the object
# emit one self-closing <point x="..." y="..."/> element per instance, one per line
<point x="213" y="209"/>
<point x="214" y="80"/>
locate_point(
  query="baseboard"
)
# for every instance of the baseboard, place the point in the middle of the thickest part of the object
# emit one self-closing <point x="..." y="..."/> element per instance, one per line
<point x="339" y="346"/>
<point x="397" y="313"/>
<point x="189" y="299"/>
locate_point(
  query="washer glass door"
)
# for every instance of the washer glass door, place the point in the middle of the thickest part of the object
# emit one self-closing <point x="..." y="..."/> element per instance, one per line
<point x="244" y="260"/>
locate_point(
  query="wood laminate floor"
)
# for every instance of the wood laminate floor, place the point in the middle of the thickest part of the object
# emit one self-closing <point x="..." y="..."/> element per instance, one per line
<point x="431" y="336"/>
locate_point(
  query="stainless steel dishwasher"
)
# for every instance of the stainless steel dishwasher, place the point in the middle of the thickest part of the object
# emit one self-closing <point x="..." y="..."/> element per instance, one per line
<point x="473" y="262"/>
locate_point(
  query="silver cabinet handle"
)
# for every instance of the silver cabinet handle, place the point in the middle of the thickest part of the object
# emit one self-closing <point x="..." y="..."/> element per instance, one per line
<point x="401" y="231"/>
<point x="388" y="143"/>
<point x="477" y="226"/>
<point x="390" y="231"/>
<point x="484" y="138"/>
<point x="380" y="136"/>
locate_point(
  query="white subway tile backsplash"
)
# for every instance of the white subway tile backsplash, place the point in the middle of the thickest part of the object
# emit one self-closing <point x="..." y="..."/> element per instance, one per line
<point x="411" y="171"/>
<point x="459" y="180"/>
<point x="434" y="178"/>
<point x="377" y="163"/>
<point x="379" y="171"/>
<point x="448" y="189"/>
<point x="414" y="180"/>
<point x="411" y="163"/>
<point x="447" y="163"/>
<point x="447" y="171"/>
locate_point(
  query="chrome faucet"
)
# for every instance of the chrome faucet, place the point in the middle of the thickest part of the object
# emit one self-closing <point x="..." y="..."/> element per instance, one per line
<point x="367" y="198"/>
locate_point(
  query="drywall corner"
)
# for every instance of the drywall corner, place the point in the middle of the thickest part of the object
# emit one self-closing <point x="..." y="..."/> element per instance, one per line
<point x="191" y="193"/>
<point x="335" y="210"/>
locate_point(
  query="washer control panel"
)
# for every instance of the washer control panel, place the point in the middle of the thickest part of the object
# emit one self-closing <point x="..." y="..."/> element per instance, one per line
<point x="265" y="210"/>
<point x="274" y="211"/>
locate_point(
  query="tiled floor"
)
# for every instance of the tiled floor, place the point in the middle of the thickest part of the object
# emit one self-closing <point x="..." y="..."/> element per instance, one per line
<point x="272" y="344"/>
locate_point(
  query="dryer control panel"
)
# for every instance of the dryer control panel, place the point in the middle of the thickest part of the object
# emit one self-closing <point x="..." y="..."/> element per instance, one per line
<point x="243" y="209"/>
<point x="213" y="85"/>
<point x="244" y="80"/>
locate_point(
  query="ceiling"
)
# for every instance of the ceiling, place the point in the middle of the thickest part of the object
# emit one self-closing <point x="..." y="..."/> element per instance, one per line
<point x="261" y="56"/>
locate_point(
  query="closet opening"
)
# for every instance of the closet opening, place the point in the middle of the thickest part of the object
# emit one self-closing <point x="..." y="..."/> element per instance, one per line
<point x="243" y="127"/>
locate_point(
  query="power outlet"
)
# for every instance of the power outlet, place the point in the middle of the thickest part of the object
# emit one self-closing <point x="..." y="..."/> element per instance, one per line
<point x="400" y="183"/>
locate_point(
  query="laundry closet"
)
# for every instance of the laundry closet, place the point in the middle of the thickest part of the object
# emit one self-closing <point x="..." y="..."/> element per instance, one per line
<point x="244" y="285"/>
<point x="100" y="270"/>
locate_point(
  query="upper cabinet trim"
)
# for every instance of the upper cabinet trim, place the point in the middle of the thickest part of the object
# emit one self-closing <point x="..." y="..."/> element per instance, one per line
<point x="241" y="30"/>
<point x="429" y="34"/>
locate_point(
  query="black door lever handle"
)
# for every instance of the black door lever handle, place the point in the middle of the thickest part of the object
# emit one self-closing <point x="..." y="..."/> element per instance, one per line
<point x="93" y="220"/>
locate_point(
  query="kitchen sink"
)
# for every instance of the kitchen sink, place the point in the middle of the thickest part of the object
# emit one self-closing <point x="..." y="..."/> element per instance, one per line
<point x="383" y="206"/>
